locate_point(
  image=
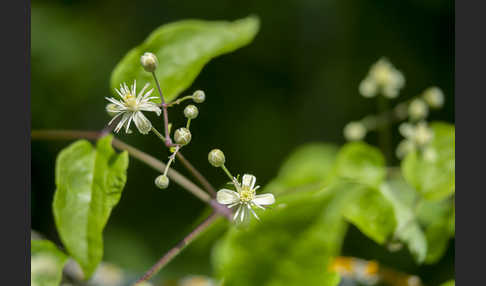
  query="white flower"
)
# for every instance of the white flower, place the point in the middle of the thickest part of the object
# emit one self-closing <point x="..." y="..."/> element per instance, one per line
<point x="245" y="197"/>
<point x="434" y="97"/>
<point x="354" y="131"/>
<point x="418" y="109"/>
<point x="419" y="135"/>
<point x="130" y="107"/>
<point x="382" y="78"/>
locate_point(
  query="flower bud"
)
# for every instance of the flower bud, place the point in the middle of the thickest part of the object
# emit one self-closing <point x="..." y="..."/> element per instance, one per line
<point x="418" y="109"/>
<point x="111" y="109"/>
<point x="191" y="111"/>
<point x="182" y="136"/>
<point x="434" y="97"/>
<point x="354" y="131"/>
<point x="162" y="182"/>
<point x="216" y="158"/>
<point x="149" y="62"/>
<point x="198" y="96"/>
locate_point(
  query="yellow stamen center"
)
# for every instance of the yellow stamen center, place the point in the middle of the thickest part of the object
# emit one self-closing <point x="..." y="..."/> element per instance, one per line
<point x="247" y="195"/>
<point x="130" y="101"/>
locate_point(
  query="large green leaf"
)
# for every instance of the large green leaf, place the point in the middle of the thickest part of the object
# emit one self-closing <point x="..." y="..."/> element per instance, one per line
<point x="372" y="213"/>
<point x="46" y="263"/>
<point x="89" y="183"/>
<point x="433" y="178"/>
<point x="449" y="283"/>
<point x="292" y="245"/>
<point x="183" y="48"/>
<point x="408" y="229"/>
<point x="308" y="165"/>
<point x="361" y="162"/>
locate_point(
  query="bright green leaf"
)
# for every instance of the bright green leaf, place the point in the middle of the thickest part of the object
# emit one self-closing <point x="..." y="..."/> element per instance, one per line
<point x="292" y="245"/>
<point x="46" y="263"/>
<point x="449" y="283"/>
<point x="433" y="178"/>
<point x="89" y="183"/>
<point x="408" y="229"/>
<point x="309" y="164"/>
<point x="183" y="48"/>
<point x="361" y="162"/>
<point x="372" y="213"/>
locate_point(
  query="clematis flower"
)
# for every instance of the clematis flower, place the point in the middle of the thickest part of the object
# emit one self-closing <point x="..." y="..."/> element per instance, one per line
<point x="245" y="198"/>
<point x="130" y="107"/>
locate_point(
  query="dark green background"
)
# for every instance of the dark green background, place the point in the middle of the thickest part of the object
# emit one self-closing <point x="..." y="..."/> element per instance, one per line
<point x="296" y="83"/>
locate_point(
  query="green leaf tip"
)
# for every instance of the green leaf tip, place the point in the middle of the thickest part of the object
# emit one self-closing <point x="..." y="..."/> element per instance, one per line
<point x="183" y="48"/>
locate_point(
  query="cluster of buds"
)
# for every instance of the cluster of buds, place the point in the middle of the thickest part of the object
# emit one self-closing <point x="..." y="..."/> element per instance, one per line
<point x="130" y="107"/>
<point x="244" y="198"/>
<point x="383" y="78"/>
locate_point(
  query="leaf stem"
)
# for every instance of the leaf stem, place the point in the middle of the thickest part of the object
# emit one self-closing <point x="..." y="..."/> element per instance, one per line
<point x="174" y="251"/>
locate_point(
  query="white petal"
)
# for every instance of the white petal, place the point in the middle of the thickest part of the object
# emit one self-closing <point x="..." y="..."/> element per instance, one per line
<point x="142" y="123"/>
<point x="248" y="181"/>
<point x="253" y="212"/>
<point x="226" y="197"/>
<point x="264" y="199"/>
<point x="235" y="217"/>
<point x="122" y="121"/>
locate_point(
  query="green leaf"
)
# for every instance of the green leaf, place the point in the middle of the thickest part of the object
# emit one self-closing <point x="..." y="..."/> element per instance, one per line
<point x="183" y="48"/>
<point x="309" y="164"/>
<point x="361" y="162"/>
<point x="372" y="213"/>
<point x="434" y="179"/>
<point x="408" y="229"/>
<point x="292" y="245"/>
<point x="449" y="283"/>
<point x="46" y="262"/>
<point x="89" y="184"/>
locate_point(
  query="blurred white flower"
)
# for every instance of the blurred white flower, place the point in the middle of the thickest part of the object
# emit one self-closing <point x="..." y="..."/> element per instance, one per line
<point x="107" y="275"/>
<point x="430" y="155"/>
<point x="354" y="131"/>
<point x="244" y="198"/>
<point x="382" y="78"/>
<point x="434" y="97"/>
<point x="44" y="264"/>
<point x="416" y="136"/>
<point x="418" y="109"/>
<point x="130" y="107"/>
<point x="197" y="280"/>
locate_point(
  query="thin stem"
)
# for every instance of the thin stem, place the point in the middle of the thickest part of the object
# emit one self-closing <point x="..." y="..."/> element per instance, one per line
<point x="171" y="159"/>
<point x="174" y="251"/>
<point x="158" y="134"/>
<point x="168" y="141"/>
<point x="196" y="174"/>
<point x="385" y="137"/>
<point x="188" y="123"/>
<point x="227" y="172"/>
<point x="178" y="101"/>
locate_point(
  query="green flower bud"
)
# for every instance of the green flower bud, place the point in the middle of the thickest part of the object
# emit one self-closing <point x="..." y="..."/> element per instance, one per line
<point x="191" y="111"/>
<point x="216" y="158"/>
<point x="111" y="109"/>
<point x="149" y="62"/>
<point x="182" y="136"/>
<point x="198" y="96"/>
<point x="434" y="97"/>
<point x="162" y="182"/>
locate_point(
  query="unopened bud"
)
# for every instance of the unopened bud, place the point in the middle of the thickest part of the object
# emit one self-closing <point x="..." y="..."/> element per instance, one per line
<point x="149" y="62"/>
<point x="182" y="136"/>
<point x="191" y="111"/>
<point x="111" y="109"/>
<point x="216" y="158"/>
<point x="418" y="109"/>
<point x="162" y="182"/>
<point x="354" y="131"/>
<point x="434" y="97"/>
<point x="198" y="96"/>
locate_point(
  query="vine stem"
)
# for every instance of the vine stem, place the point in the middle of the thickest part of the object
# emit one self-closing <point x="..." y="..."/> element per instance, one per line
<point x="140" y="155"/>
<point x="174" y="251"/>
<point x="168" y="141"/>
<point x="385" y="135"/>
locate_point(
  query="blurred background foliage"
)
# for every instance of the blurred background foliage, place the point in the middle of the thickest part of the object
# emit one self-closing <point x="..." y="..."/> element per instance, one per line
<point x="296" y="83"/>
